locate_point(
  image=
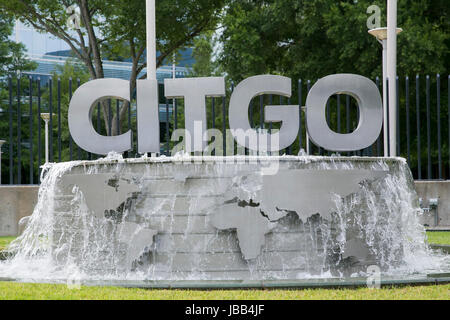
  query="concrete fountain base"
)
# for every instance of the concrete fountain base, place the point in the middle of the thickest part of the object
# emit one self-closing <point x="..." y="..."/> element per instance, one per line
<point x="226" y="222"/>
<point x="252" y="219"/>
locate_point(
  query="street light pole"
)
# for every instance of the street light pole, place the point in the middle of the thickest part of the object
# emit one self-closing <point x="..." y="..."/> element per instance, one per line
<point x="147" y="90"/>
<point x="174" y="74"/>
<point x="391" y="66"/>
<point x="381" y="35"/>
<point x="1" y="144"/>
<point x="151" y="39"/>
<point x="46" y="118"/>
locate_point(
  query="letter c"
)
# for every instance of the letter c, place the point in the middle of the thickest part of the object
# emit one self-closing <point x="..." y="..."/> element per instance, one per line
<point x="80" y="116"/>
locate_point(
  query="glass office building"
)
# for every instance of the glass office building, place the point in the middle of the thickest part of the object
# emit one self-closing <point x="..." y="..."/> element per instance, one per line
<point x="49" y="52"/>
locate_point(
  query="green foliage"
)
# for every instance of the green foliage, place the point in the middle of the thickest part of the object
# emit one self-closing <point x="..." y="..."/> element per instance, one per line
<point x="202" y="54"/>
<point x="311" y="39"/>
<point x="12" y="54"/>
<point x="124" y="34"/>
<point x="178" y="23"/>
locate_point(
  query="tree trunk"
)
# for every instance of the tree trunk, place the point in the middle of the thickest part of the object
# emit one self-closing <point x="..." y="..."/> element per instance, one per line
<point x="118" y="125"/>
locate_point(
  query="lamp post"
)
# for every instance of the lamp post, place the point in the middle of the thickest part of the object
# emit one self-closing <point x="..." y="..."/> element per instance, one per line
<point x="2" y="142"/>
<point x="151" y="39"/>
<point x="381" y="34"/>
<point x="174" y="74"/>
<point x="151" y="62"/>
<point x="391" y="70"/>
<point x="46" y="118"/>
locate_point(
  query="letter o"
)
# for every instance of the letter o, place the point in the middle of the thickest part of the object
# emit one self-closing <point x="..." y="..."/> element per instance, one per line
<point x="370" y="106"/>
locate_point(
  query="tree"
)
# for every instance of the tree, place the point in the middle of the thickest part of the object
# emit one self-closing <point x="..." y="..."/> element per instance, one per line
<point x="12" y="54"/>
<point x="203" y="56"/>
<point x="117" y="28"/>
<point x="311" y="39"/>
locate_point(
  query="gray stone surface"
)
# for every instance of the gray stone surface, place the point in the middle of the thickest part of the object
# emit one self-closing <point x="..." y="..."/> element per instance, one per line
<point x="105" y="192"/>
<point x="255" y="208"/>
<point x="218" y="220"/>
<point x="311" y="190"/>
<point x="138" y="240"/>
<point x="16" y="202"/>
<point x="250" y="225"/>
<point x="435" y="189"/>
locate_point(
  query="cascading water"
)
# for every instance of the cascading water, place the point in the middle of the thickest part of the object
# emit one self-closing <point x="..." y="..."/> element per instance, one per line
<point x="246" y="218"/>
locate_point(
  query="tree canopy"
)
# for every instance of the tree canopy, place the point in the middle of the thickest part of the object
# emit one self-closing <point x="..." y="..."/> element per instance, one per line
<point x="179" y="22"/>
<point x="311" y="39"/>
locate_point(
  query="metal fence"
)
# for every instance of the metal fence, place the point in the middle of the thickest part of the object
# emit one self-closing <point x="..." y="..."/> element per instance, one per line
<point x="423" y="123"/>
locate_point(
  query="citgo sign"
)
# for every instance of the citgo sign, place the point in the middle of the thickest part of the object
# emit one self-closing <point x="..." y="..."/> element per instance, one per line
<point x="195" y="90"/>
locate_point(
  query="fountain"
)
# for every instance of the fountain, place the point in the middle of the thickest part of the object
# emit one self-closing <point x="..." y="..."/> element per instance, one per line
<point x="287" y="218"/>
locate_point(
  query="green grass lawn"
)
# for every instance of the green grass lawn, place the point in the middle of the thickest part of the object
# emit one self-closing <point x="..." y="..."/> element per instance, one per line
<point x="19" y="291"/>
<point x="439" y="237"/>
<point x="5" y="241"/>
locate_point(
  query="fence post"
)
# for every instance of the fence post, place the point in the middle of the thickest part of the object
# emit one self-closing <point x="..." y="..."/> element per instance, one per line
<point x="438" y="102"/>
<point x="50" y="133"/>
<point x="429" y="176"/>
<point x="109" y="118"/>
<point x="70" y="136"/>
<point x="338" y="97"/>
<point x="39" y="127"/>
<point x="408" y="139"/>
<point x="11" y="149"/>
<point x="397" y="93"/>
<point x="387" y="119"/>
<point x="290" y="147"/>
<point x="118" y="116"/>
<point x="377" y="81"/>
<point x="300" y="103"/>
<point x="168" y="129"/>
<point x="419" y="152"/>
<point x="2" y="142"/>
<point x="31" y="130"/>
<point x="224" y="117"/>
<point x="308" y="142"/>
<point x="59" y="120"/>
<point x="78" y="149"/>
<point x="19" y="133"/>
